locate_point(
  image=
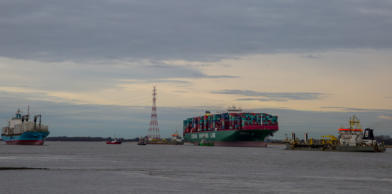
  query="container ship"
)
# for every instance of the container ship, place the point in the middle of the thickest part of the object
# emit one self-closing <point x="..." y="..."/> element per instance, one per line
<point x="22" y="131"/>
<point x="351" y="139"/>
<point x="232" y="128"/>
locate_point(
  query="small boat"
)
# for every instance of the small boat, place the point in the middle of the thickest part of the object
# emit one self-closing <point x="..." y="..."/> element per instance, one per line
<point x="176" y="139"/>
<point x="205" y="142"/>
<point x="142" y="141"/>
<point x="114" y="141"/>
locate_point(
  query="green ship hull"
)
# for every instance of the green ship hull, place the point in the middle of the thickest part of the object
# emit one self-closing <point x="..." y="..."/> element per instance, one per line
<point x="253" y="138"/>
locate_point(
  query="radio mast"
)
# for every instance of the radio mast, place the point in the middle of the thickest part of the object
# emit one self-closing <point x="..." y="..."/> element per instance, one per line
<point x="154" y="129"/>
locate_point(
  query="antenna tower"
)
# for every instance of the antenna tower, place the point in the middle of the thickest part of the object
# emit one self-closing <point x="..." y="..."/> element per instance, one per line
<point x="154" y="129"/>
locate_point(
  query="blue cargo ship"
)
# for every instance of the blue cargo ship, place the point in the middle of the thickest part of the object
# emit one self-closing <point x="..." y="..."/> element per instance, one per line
<point x="22" y="131"/>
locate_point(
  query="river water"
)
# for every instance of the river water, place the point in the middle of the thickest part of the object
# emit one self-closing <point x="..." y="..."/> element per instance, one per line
<point x="94" y="167"/>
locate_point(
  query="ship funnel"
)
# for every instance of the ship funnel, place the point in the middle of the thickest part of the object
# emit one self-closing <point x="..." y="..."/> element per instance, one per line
<point x="306" y="138"/>
<point x="293" y="136"/>
<point x="35" y="121"/>
<point x="368" y="134"/>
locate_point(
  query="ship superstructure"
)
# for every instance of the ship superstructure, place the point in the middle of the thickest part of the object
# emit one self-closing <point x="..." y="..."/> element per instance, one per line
<point x="232" y="128"/>
<point x="352" y="135"/>
<point x="351" y="139"/>
<point x="21" y="130"/>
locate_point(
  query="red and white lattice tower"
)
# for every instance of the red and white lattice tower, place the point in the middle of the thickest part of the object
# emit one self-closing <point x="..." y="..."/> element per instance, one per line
<point x="154" y="129"/>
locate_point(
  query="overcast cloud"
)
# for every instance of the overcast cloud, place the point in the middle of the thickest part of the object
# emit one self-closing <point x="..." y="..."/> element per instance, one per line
<point x="68" y="76"/>
<point x="272" y="96"/>
<point x="196" y="30"/>
<point x="89" y="65"/>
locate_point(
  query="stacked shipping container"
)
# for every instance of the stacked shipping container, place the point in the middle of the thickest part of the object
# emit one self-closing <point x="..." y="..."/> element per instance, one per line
<point x="230" y="121"/>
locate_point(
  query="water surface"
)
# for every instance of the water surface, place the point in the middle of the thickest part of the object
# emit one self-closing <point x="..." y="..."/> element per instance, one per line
<point x="94" y="167"/>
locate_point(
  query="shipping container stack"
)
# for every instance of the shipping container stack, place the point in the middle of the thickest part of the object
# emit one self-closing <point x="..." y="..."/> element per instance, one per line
<point x="269" y="120"/>
<point x="229" y="121"/>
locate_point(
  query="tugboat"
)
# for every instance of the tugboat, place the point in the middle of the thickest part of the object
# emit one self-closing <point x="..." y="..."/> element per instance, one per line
<point x="352" y="139"/>
<point x="176" y="139"/>
<point x="114" y="141"/>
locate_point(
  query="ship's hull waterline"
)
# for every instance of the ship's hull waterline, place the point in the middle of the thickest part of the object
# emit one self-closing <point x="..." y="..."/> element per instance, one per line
<point x="237" y="138"/>
<point x="26" y="138"/>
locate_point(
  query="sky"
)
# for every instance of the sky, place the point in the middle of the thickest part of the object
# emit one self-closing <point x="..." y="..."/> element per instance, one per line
<point x="89" y="66"/>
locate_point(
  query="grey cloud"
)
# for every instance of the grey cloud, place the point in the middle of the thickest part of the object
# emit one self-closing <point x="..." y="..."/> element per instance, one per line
<point x="85" y="76"/>
<point x="353" y="109"/>
<point x="272" y="96"/>
<point x="222" y="76"/>
<point x="157" y="81"/>
<point x="183" y="71"/>
<point x="193" y="30"/>
<point x="263" y="99"/>
<point x="386" y="117"/>
<point x="332" y="107"/>
<point x="312" y="56"/>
